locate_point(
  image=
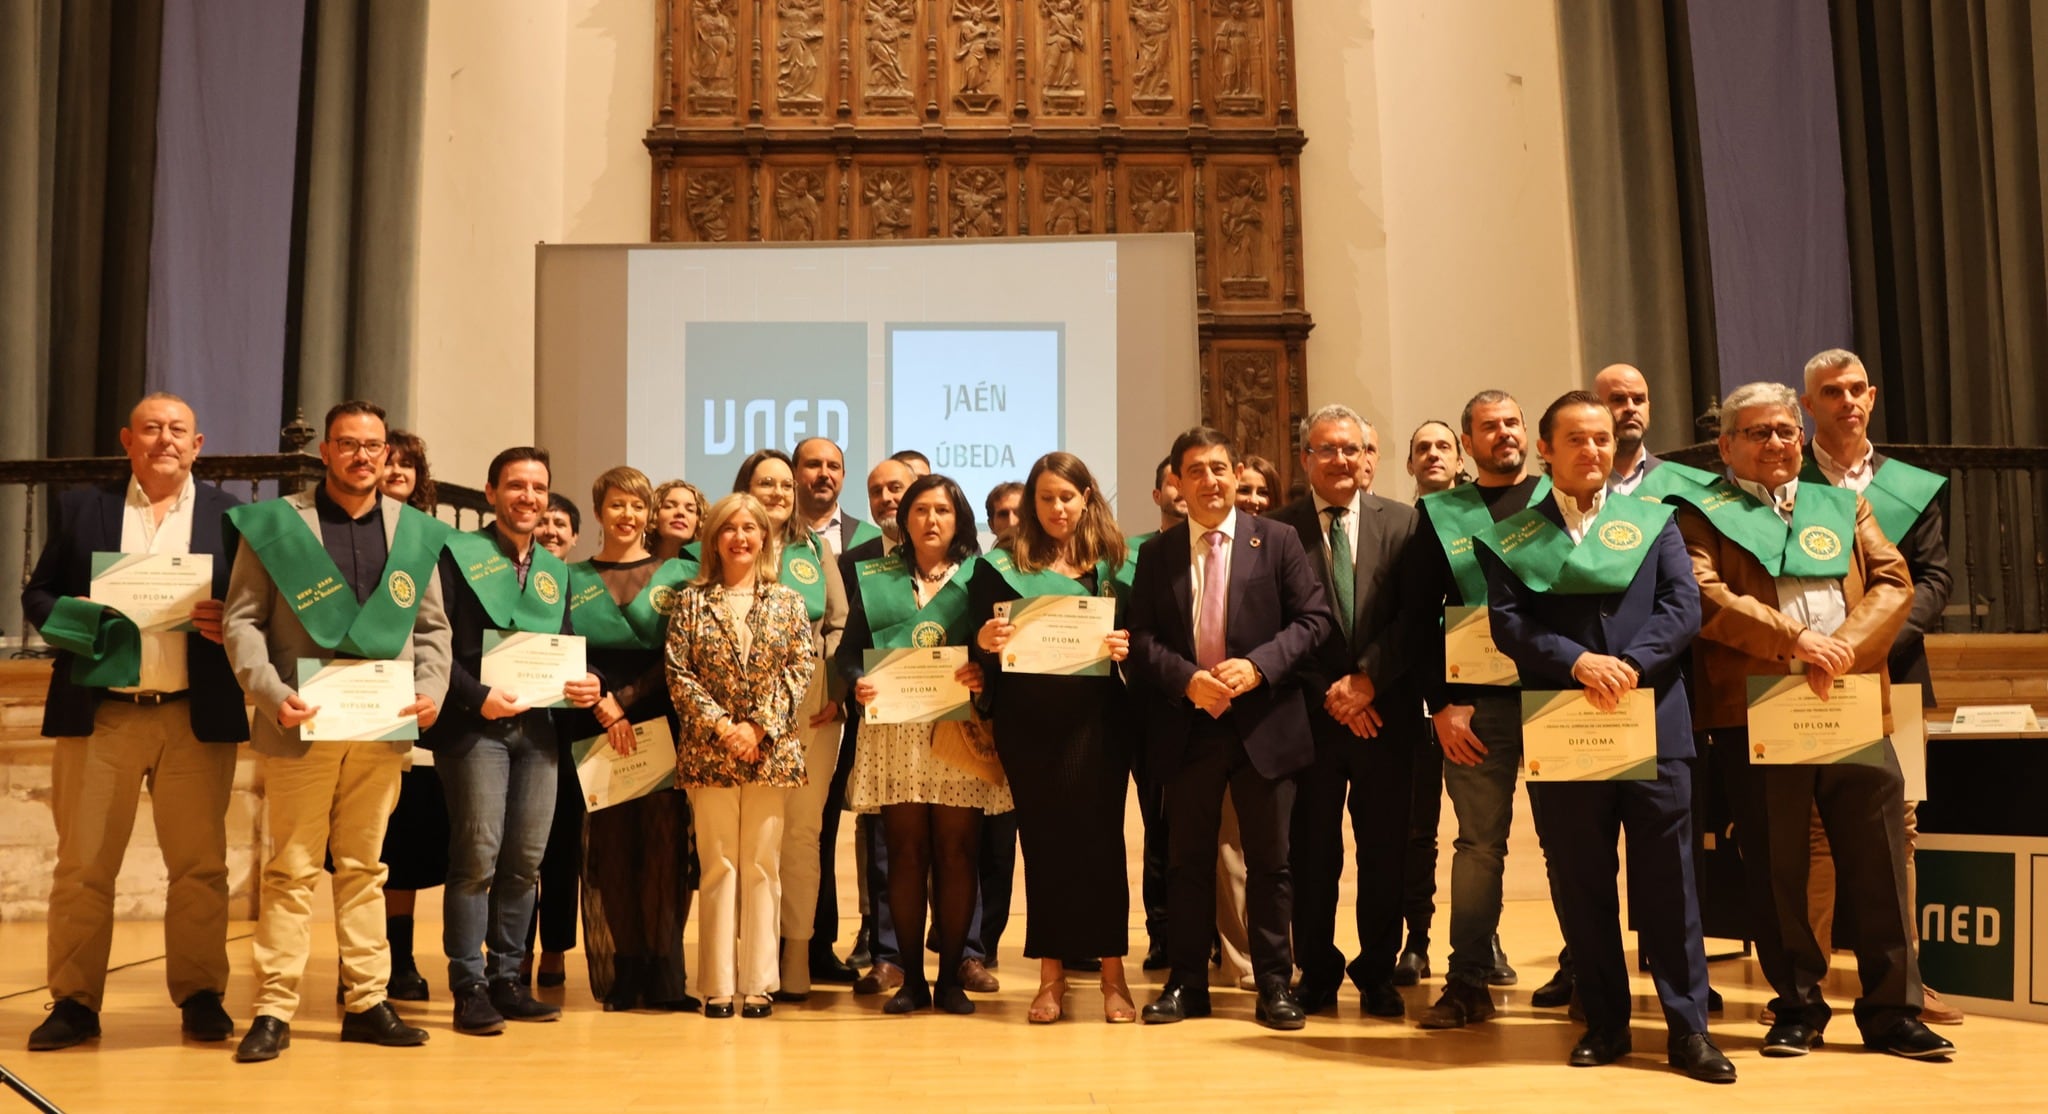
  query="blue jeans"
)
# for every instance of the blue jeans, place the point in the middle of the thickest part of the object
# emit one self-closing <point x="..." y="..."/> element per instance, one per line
<point x="500" y="783"/>
<point x="1483" y="798"/>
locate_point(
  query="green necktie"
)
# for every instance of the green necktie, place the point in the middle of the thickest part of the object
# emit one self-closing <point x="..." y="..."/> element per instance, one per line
<point x="1342" y="574"/>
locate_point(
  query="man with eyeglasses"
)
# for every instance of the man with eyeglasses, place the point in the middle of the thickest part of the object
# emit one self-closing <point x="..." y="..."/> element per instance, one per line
<point x="1365" y="713"/>
<point x="340" y="572"/>
<point x="1797" y="577"/>
<point x="162" y="710"/>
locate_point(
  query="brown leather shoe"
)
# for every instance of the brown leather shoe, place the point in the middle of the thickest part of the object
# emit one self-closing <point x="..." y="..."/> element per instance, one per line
<point x="977" y="978"/>
<point x="1934" y="1011"/>
<point x="1460" y="1005"/>
<point x="882" y="978"/>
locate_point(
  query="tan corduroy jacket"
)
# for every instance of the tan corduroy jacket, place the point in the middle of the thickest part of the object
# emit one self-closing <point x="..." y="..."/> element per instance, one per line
<point x="1743" y="634"/>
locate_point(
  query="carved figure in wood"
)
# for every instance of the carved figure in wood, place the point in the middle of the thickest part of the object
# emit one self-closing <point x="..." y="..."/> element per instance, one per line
<point x="977" y="47"/>
<point x="707" y="205"/>
<point x="1152" y="55"/>
<point x="889" y="196"/>
<point x="1066" y="35"/>
<point x="715" y="38"/>
<point x="1069" y="202"/>
<point x="1243" y="222"/>
<point x="978" y="201"/>
<point x="1155" y="198"/>
<point x="889" y="22"/>
<point x="1248" y="395"/>
<point x="799" y="202"/>
<point x="798" y="32"/>
<point x="1238" y="48"/>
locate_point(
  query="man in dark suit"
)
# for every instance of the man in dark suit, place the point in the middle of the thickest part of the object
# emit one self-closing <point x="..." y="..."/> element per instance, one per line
<point x="876" y="945"/>
<point x="173" y="725"/>
<point x="1364" y="710"/>
<point x="1592" y="591"/>
<point x="1220" y="632"/>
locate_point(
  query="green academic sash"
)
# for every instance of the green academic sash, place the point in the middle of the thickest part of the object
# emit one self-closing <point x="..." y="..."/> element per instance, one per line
<point x="803" y="568"/>
<point x="1128" y="574"/>
<point x="641" y="624"/>
<point x="1670" y="476"/>
<point x="1046" y="582"/>
<point x="1815" y="544"/>
<point x="536" y="609"/>
<point x="1898" y="493"/>
<point x="321" y="599"/>
<point x="105" y="645"/>
<point x="1458" y="515"/>
<point x="861" y="534"/>
<point x="894" y="617"/>
<point x="1545" y="558"/>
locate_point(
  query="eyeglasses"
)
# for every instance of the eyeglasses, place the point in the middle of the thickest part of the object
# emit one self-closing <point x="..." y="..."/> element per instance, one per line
<point x="1327" y="453"/>
<point x="1762" y="434"/>
<point x="349" y="446"/>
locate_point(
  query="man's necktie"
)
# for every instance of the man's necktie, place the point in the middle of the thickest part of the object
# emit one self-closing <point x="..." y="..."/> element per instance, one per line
<point x="1342" y="574"/>
<point x="1209" y="644"/>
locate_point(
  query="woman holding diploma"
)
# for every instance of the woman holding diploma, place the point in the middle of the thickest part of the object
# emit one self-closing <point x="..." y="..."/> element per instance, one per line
<point x="1068" y="764"/>
<point x="740" y="656"/>
<point x="931" y="809"/>
<point x="636" y="862"/>
<point x="809" y="568"/>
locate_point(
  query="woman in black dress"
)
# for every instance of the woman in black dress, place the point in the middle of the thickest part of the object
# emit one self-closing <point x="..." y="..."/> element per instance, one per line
<point x="1069" y="767"/>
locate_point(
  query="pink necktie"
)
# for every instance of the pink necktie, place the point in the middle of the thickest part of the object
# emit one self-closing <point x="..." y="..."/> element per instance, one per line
<point x="1209" y="647"/>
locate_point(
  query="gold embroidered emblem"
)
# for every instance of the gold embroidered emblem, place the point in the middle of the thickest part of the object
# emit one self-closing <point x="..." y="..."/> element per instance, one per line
<point x="1621" y="536"/>
<point x="545" y="587"/>
<point x="403" y="591"/>
<point x="1820" y="543"/>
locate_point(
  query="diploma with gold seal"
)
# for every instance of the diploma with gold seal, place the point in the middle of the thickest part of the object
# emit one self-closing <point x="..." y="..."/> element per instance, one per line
<point x="1566" y="738"/>
<point x="533" y="667"/>
<point x="359" y="700"/>
<point x="1058" y="634"/>
<point x="1470" y="657"/>
<point x="156" y="591"/>
<point x="1789" y="725"/>
<point x="609" y="778"/>
<point x="916" y="685"/>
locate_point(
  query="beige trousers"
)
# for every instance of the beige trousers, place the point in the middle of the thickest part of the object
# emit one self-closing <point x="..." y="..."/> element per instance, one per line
<point x="804" y="819"/>
<point x="336" y="798"/>
<point x="739" y="889"/>
<point x="95" y="786"/>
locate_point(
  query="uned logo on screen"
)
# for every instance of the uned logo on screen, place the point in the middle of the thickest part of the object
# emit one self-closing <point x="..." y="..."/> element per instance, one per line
<point x="763" y="423"/>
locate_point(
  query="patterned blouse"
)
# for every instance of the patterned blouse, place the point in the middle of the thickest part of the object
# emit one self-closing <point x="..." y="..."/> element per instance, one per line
<point x="710" y="682"/>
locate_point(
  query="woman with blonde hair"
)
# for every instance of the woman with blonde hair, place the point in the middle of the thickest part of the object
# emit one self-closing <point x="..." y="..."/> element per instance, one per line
<point x="740" y="657"/>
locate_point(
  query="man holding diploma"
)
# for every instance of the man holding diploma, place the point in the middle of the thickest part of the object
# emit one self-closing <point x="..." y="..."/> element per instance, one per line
<point x="1592" y="590"/>
<point x="495" y="748"/>
<point x="342" y="571"/>
<point x="160" y="707"/>
<point x="1798" y="577"/>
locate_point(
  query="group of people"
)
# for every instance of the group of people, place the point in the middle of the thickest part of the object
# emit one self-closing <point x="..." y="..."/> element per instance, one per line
<point x="1275" y="667"/>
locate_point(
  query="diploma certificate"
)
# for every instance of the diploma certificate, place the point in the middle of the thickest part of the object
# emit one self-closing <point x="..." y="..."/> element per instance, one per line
<point x="359" y="701"/>
<point x="1565" y="738"/>
<point x="610" y="778"/>
<point x="155" y="590"/>
<point x="1789" y="725"/>
<point x="917" y="685"/>
<point x="1058" y="634"/>
<point x="1470" y="657"/>
<point x="533" y="667"/>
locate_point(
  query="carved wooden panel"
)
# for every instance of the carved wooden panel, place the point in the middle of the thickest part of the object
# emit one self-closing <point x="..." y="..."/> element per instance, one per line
<point x="819" y="120"/>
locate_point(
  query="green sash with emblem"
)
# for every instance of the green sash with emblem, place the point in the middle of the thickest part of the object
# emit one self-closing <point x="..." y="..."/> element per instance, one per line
<point x="803" y="568"/>
<point x="861" y="534"/>
<point x="1815" y="544"/>
<point x="1458" y="515"/>
<point x="320" y="596"/>
<point x="1046" y="582"/>
<point x="641" y="624"/>
<point x="894" y="617"/>
<point x="1898" y="493"/>
<point x="536" y="609"/>
<point x="1670" y="477"/>
<point x="1545" y="558"/>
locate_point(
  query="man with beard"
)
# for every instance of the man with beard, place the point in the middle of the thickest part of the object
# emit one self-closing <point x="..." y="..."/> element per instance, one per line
<point x="1637" y="471"/>
<point x="820" y="474"/>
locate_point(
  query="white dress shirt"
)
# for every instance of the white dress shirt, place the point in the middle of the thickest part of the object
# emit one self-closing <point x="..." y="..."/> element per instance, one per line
<point x="163" y="652"/>
<point x="831" y="532"/>
<point x="1198" y="553"/>
<point x="1576" y="517"/>
<point x="1350" y="525"/>
<point x="1816" y="602"/>
<point x="1625" y="483"/>
<point x="1856" y="476"/>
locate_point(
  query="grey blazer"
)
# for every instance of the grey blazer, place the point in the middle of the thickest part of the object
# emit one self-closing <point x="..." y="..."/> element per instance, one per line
<point x="265" y="641"/>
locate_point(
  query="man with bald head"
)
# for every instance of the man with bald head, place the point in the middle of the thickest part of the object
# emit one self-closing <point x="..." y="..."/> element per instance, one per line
<point x="1637" y="471"/>
<point x="166" y="712"/>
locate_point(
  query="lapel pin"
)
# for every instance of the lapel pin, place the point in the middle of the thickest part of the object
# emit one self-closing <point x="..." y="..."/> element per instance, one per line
<point x="1255" y="543"/>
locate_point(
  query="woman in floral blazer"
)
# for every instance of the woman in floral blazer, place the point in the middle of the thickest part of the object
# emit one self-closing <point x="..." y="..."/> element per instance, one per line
<point x="740" y="657"/>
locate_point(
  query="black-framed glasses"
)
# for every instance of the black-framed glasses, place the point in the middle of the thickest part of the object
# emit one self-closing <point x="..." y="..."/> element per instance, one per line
<point x="349" y="446"/>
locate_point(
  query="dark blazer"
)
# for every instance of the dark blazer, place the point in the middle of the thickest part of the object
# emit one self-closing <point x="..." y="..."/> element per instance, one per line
<point x="462" y="715"/>
<point x="1653" y="624"/>
<point x="1925" y="548"/>
<point x="1389" y="620"/>
<point x="1278" y="616"/>
<point x="89" y="520"/>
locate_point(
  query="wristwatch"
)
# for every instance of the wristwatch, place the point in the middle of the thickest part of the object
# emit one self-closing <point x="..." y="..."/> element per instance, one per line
<point x="1632" y="666"/>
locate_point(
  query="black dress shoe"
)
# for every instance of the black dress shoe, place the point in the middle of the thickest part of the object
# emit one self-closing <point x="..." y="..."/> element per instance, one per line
<point x="1790" y="1038"/>
<point x="1557" y="992"/>
<point x="1156" y="958"/>
<point x="1597" y="1048"/>
<point x="830" y="969"/>
<point x="407" y="986"/>
<point x="380" y="1025"/>
<point x="474" y="1013"/>
<point x="1500" y="974"/>
<point x="1460" y="1004"/>
<point x="71" y="1022"/>
<point x="516" y="1003"/>
<point x="1277" y="1009"/>
<point x="1912" y="1039"/>
<point x="204" y="1020"/>
<point x="909" y="999"/>
<point x="1315" y="995"/>
<point x="1411" y="968"/>
<point x="1382" y="1000"/>
<point x="757" y="1009"/>
<point x="863" y="953"/>
<point x="1696" y="1056"/>
<point x="1178" y="1003"/>
<point x="266" y="1038"/>
<point x="718" y="1009"/>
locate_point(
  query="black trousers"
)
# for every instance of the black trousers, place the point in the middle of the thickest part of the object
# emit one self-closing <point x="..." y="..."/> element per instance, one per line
<point x="1374" y="776"/>
<point x="1152" y="817"/>
<point x="1579" y="823"/>
<point x="561" y="866"/>
<point x="825" y="924"/>
<point x="1425" y="812"/>
<point x="1863" y="809"/>
<point x="1215" y="761"/>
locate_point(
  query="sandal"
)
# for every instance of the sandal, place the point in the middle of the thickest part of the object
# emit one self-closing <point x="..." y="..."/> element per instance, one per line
<point x="1117" y="1008"/>
<point x="1050" y="1004"/>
